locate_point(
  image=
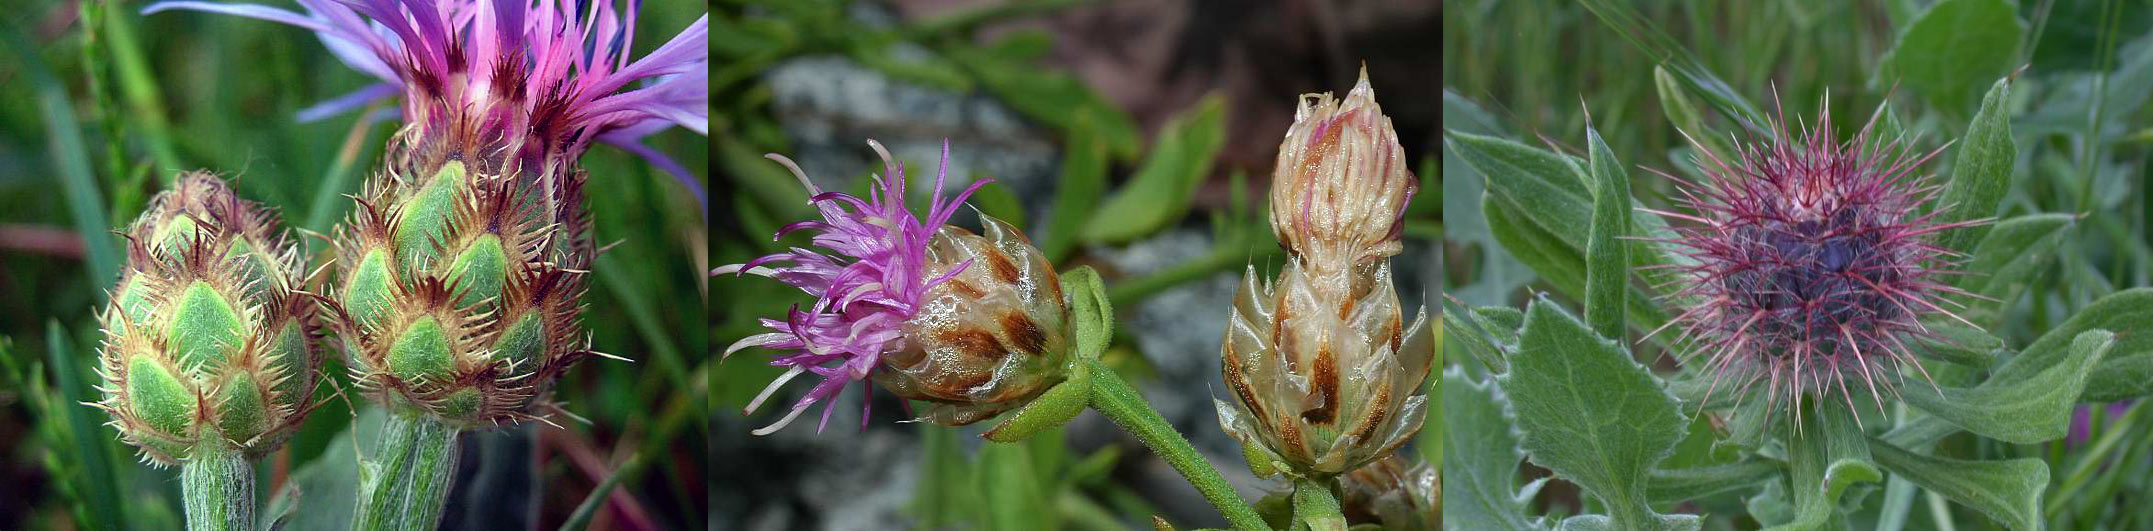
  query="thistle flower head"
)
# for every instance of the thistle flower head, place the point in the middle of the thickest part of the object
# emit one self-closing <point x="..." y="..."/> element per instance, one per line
<point x="209" y="343"/>
<point x="1812" y="265"/>
<point x="1341" y="184"/>
<point x="973" y="325"/>
<point x="507" y="86"/>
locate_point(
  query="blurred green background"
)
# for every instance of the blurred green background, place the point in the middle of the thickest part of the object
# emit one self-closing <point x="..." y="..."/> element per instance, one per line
<point x="101" y="106"/>
<point x="1528" y="69"/>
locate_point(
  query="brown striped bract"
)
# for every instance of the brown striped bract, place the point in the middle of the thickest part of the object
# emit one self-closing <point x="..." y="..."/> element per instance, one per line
<point x="988" y="339"/>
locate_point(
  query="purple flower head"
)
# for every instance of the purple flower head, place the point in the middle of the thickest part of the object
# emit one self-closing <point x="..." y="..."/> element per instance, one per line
<point x="864" y="296"/>
<point x="1812" y="266"/>
<point x="533" y="80"/>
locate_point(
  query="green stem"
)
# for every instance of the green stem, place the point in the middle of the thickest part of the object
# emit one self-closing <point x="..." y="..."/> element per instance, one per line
<point x="410" y="485"/>
<point x="218" y="489"/>
<point x="1114" y="398"/>
<point x="1316" y="506"/>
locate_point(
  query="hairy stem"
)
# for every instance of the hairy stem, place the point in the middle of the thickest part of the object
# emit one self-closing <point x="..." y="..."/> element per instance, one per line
<point x="218" y="489"/>
<point x="1316" y="506"/>
<point x="411" y="475"/>
<point x="1114" y="398"/>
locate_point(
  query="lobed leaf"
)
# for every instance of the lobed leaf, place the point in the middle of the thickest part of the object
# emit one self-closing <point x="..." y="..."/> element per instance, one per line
<point x="1480" y="458"/>
<point x="1589" y="413"/>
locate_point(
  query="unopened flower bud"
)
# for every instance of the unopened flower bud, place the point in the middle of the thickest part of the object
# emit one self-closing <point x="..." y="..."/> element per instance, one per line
<point x="1322" y="384"/>
<point x="1341" y="182"/>
<point x="462" y="285"/>
<point x="209" y="343"/>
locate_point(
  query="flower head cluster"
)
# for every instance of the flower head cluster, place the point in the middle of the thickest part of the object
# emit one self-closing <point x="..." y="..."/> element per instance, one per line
<point x="1811" y="265"/>
<point x="1325" y="372"/>
<point x="866" y="296"/>
<point x="210" y="346"/>
<point x="507" y="84"/>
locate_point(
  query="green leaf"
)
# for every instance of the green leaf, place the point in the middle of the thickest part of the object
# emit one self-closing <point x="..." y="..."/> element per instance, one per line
<point x="1954" y="46"/>
<point x="2013" y="251"/>
<point x="2127" y="313"/>
<point x="1083" y="180"/>
<point x="1685" y="484"/>
<point x="1659" y="522"/>
<point x="1160" y="191"/>
<point x="1827" y="456"/>
<point x="1055" y="98"/>
<point x="328" y="484"/>
<point x="1480" y="458"/>
<point x="1484" y="340"/>
<point x="1982" y="172"/>
<point x="1561" y="265"/>
<point x="1955" y="342"/>
<point x="2024" y="411"/>
<point x="1607" y="253"/>
<point x="1589" y="413"/>
<point x="1013" y="488"/>
<point x="1091" y="316"/>
<point x="1314" y="506"/>
<point x="2007" y="491"/>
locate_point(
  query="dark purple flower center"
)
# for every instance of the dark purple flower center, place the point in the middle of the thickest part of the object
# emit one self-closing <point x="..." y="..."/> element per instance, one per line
<point x="1813" y="285"/>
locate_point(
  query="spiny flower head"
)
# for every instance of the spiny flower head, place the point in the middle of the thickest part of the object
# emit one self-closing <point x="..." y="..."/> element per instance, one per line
<point x="507" y="86"/>
<point x="209" y="343"/>
<point x="1812" y="265"/>
<point x="974" y="325"/>
<point x="1341" y="184"/>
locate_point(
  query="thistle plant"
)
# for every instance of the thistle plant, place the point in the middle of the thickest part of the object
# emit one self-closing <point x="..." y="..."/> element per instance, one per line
<point x="1830" y="298"/>
<point x="210" y="348"/>
<point x="462" y="270"/>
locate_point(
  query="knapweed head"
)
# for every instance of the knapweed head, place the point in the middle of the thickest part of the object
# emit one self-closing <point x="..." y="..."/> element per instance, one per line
<point x="1812" y="265"/>
<point x="1341" y="182"/>
<point x="513" y="87"/>
<point x="461" y="293"/>
<point x="1323" y="385"/>
<point x="970" y="324"/>
<point x="209" y="343"/>
<point x="1393" y="493"/>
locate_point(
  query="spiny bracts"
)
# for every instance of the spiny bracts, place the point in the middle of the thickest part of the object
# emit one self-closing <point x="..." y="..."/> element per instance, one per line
<point x="1811" y="266"/>
<point x="210" y="343"/>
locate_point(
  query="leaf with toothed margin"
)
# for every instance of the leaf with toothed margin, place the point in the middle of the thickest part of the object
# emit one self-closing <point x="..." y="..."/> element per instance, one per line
<point x="2008" y="491"/>
<point x="1480" y="459"/>
<point x="1487" y="334"/>
<point x="2027" y="411"/>
<point x="1588" y="412"/>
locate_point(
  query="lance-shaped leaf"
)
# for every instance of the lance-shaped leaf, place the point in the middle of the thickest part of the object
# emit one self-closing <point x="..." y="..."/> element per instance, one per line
<point x="1828" y="455"/>
<point x="1589" y="413"/>
<point x="1561" y="265"/>
<point x="1982" y="172"/>
<point x="1487" y="334"/>
<point x="2128" y="313"/>
<point x="2007" y="491"/>
<point x="1607" y="253"/>
<point x="2022" y="411"/>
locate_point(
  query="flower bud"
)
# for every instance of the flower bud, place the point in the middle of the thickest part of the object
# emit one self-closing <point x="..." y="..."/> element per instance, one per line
<point x="462" y="281"/>
<point x="1393" y="492"/>
<point x="990" y="337"/>
<point x="1341" y="182"/>
<point x="1323" y="384"/>
<point x="209" y="342"/>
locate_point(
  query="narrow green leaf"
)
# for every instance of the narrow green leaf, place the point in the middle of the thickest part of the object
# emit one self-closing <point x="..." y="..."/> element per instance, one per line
<point x="98" y="489"/>
<point x="1953" y="341"/>
<point x="1012" y="487"/>
<point x="1982" y="172"/>
<point x="1607" y="252"/>
<point x="1051" y="97"/>
<point x="1160" y="191"/>
<point x="1561" y="265"/>
<point x="2127" y="313"/>
<point x="1083" y="180"/>
<point x="70" y="160"/>
<point x="1550" y="190"/>
<point x="2008" y="491"/>
<point x="1480" y="458"/>
<point x="581" y="518"/>
<point x="1478" y="337"/>
<point x="1590" y="413"/>
<point x="1952" y="47"/>
<point x="1685" y="484"/>
<point x="2013" y="251"/>
<point x="2026" y="411"/>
